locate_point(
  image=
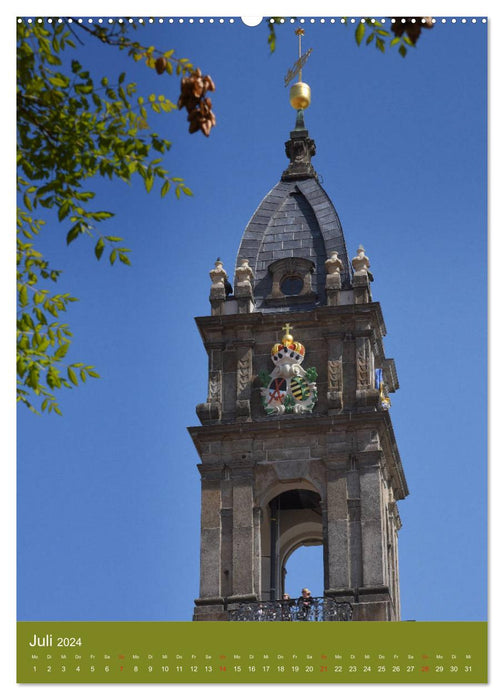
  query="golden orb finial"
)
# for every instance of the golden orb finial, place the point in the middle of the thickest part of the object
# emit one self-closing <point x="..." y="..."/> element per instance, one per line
<point x="300" y="93"/>
<point x="288" y="338"/>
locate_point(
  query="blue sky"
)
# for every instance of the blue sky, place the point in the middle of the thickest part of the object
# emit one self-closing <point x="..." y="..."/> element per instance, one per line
<point x="108" y="495"/>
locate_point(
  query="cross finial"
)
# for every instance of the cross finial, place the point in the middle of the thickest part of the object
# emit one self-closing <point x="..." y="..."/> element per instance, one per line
<point x="301" y="60"/>
<point x="287" y="328"/>
<point x="299" y="33"/>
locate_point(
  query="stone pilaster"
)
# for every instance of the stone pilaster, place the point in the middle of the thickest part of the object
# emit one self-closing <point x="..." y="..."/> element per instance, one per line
<point x="366" y="394"/>
<point x="243" y="539"/>
<point x="337" y="564"/>
<point x="211" y="410"/>
<point x="373" y="554"/>
<point x="335" y="374"/>
<point x="243" y="381"/>
<point x="210" y="604"/>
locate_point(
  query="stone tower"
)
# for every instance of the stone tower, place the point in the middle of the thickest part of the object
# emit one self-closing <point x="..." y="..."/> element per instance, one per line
<point x="296" y="441"/>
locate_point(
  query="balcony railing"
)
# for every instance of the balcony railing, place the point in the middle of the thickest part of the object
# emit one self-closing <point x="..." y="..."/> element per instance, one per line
<point x="317" y="610"/>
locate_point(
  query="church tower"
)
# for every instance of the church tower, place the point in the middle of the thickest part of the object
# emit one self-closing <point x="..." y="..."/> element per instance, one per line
<point x="296" y="441"/>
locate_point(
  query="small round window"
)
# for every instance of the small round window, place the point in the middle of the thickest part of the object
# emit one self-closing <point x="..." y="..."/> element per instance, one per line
<point x="291" y="285"/>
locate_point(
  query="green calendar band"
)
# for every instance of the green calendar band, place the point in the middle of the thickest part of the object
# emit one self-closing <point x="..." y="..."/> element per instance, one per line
<point x="251" y="652"/>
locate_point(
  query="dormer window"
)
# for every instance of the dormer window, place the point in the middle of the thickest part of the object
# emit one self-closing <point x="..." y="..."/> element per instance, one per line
<point x="291" y="285"/>
<point x="291" y="281"/>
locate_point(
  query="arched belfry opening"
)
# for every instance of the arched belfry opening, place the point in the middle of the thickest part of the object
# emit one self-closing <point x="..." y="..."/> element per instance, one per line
<point x="294" y="518"/>
<point x="304" y="567"/>
<point x="296" y="441"/>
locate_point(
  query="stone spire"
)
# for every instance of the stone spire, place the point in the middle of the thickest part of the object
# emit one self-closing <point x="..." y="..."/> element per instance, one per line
<point x="299" y="149"/>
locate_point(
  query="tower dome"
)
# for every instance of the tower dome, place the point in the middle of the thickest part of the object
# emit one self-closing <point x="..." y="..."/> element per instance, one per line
<point x="292" y="232"/>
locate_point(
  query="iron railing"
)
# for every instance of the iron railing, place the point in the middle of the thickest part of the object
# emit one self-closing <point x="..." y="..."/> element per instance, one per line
<point x="314" y="610"/>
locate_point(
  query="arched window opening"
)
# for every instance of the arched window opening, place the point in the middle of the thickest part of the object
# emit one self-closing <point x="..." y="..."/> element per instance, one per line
<point x="291" y="285"/>
<point x="294" y="518"/>
<point x="304" y="569"/>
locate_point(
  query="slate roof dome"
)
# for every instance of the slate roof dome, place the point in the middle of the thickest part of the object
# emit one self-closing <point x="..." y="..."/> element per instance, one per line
<point x="292" y="233"/>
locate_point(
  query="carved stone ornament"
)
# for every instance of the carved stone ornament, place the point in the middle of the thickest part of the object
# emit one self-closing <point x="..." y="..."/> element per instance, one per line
<point x="299" y="149"/>
<point x="361" y="264"/>
<point x="243" y="279"/>
<point x="219" y="278"/>
<point x="289" y="388"/>
<point x="333" y="266"/>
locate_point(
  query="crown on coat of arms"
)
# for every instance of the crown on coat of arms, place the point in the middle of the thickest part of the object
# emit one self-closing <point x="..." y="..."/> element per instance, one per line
<point x="289" y="348"/>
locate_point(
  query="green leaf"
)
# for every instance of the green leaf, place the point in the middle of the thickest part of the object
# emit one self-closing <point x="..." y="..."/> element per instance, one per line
<point x="23" y="296"/>
<point x="61" y="351"/>
<point x="100" y="245"/>
<point x="63" y="210"/>
<point x="149" y="181"/>
<point x="58" y="81"/>
<point x="359" y="32"/>
<point x="72" y="376"/>
<point x="74" y="232"/>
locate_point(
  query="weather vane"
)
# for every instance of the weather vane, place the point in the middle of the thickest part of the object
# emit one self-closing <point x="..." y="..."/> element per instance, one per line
<point x="298" y="66"/>
<point x="300" y="93"/>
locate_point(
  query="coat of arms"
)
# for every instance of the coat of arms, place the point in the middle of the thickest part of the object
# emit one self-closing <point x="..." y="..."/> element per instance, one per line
<point x="289" y="388"/>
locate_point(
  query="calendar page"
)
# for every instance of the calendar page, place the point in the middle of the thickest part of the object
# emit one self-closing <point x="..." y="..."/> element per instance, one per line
<point x="223" y="477"/>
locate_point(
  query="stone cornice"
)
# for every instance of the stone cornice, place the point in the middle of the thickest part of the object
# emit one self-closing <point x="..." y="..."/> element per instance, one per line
<point x="323" y="316"/>
<point x="287" y="426"/>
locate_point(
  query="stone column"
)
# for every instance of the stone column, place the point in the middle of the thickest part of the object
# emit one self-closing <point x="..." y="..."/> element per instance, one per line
<point x="243" y="538"/>
<point x="395" y="525"/>
<point x="373" y="554"/>
<point x="210" y="604"/>
<point x="354" y="526"/>
<point x="210" y="539"/>
<point x="257" y="518"/>
<point x="336" y="541"/>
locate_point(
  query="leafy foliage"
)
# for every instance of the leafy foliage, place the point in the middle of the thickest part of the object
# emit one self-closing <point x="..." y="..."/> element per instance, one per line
<point x="404" y="32"/>
<point x="271" y="21"/>
<point x="71" y="130"/>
